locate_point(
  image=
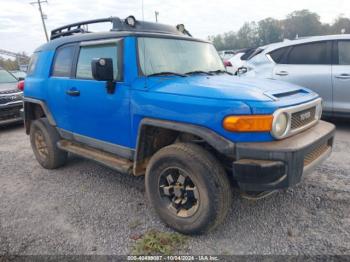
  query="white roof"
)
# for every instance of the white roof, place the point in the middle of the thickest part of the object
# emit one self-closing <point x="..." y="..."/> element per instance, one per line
<point x="304" y="40"/>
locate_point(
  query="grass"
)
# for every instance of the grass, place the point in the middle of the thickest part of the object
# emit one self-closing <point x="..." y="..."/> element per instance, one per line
<point x="158" y="243"/>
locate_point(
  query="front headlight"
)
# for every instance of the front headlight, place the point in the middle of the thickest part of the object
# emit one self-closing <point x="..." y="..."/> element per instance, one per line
<point x="279" y="125"/>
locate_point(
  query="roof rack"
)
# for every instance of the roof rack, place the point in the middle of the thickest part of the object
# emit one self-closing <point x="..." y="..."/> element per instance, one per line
<point x="79" y="27"/>
<point x="128" y="24"/>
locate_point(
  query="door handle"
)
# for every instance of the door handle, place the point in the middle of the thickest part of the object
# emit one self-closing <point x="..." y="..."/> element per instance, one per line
<point x="282" y="73"/>
<point x="73" y="92"/>
<point x="343" y="76"/>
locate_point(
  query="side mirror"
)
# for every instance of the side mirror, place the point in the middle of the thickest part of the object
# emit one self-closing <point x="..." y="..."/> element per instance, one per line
<point x="20" y="78"/>
<point x="242" y="70"/>
<point x="102" y="70"/>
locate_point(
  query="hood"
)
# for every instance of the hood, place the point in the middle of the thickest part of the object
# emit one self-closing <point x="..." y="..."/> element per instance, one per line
<point x="224" y="87"/>
<point x="8" y="87"/>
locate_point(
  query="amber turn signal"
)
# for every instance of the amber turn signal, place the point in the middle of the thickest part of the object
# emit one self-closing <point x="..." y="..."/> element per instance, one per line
<point x="255" y="123"/>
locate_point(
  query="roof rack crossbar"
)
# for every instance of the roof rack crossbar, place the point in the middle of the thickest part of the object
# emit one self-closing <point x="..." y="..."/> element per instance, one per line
<point x="118" y="25"/>
<point x="77" y="27"/>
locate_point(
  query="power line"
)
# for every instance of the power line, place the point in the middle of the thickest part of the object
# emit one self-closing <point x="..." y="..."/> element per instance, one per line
<point x="43" y="16"/>
<point x="22" y="60"/>
<point x="12" y="54"/>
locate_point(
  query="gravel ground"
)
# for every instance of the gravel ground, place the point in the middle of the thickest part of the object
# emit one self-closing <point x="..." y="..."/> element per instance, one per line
<point x="84" y="208"/>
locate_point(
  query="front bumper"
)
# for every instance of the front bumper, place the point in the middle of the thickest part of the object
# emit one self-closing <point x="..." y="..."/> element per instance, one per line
<point x="10" y="113"/>
<point x="280" y="164"/>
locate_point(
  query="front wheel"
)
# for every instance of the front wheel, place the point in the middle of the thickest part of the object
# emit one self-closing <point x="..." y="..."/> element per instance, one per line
<point x="188" y="188"/>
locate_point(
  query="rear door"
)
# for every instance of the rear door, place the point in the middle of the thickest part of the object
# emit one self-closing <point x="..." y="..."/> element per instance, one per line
<point x="308" y="65"/>
<point x="341" y="77"/>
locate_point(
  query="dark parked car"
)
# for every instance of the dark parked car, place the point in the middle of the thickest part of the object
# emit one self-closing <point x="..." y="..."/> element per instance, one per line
<point x="10" y="98"/>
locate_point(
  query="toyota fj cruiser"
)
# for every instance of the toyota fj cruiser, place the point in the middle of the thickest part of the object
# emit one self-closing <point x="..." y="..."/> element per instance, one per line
<point x="149" y="99"/>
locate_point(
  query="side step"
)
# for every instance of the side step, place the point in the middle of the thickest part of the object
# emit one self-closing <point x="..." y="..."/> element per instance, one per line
<point x="107" y="159"/>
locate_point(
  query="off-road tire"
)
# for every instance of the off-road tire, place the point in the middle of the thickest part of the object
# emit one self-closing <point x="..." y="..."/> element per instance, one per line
<point x="53" y="157"/>
<point x="208" y="175"/>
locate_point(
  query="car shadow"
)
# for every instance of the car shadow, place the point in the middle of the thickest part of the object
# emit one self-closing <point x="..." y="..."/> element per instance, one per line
<point x="11" y="127"/>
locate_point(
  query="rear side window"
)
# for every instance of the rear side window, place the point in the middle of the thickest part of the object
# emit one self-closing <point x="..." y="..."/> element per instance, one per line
<point x="344" y="52"/>
<point x="63" y="61"/>
<point x="309" y="54"/>
<point x="88" y="53"/>
<point x="278" y="55"/>
<point x="247" y="54"/>
<point x="250" y="55"/>
<point x="32" y="64"/>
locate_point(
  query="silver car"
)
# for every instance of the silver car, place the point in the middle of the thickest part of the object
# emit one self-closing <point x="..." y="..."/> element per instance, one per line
<point x="321" y="63"/>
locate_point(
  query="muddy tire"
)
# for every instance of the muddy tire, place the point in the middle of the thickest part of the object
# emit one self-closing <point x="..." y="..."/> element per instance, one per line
<point x="43" y="139"/>
<point x="188" y="188"/>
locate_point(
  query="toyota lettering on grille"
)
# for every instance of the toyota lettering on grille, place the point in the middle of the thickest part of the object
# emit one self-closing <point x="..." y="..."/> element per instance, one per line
<point x="305" y="116"/>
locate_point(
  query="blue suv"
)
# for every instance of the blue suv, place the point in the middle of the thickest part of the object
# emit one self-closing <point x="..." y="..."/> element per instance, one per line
<point x="149" y="99"/>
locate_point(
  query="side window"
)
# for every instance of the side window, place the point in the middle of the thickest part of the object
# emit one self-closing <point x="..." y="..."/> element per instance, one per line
<point x="344" y="52"/>
<point x="87" y="53"/>
<point x="63" y="61"/>
<point x="309" y="54"/>
<point x="278" y="54"/>
<point x="32" y="64"/>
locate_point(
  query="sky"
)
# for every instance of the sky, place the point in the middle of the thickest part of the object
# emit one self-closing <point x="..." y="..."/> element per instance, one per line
<point x="21" y="28"/>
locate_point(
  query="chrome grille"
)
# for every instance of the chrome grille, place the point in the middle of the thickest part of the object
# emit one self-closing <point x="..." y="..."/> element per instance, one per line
<point x="12" y="91"/>
<point x="302" y="118"/>
<point x="10" y="98"/>
<point x="314" y="154"/>
<point x="10" y="113"/>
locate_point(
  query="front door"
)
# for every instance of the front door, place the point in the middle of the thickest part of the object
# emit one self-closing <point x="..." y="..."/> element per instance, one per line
<point x="57" y="99"/>
<point x="341" y="79"/>
<point x="309" y="65"/>
<point x="99" y="118"/>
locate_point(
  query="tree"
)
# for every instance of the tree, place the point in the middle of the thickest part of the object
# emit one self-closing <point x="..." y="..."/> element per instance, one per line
<point x="340" y="24"/>
<point x="302" y="23"/>
<point x="298" y="23"/>
<point x="248" y="35"/>
<point x="8" y="64"/>
<point x="218" y="42"/>
<point x="230" y="40"/>
<point x="269" y="31"/>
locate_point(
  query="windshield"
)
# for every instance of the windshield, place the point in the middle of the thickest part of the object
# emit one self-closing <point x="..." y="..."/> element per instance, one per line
<point x="6" y="77"/>
<point x="157" y="55"/>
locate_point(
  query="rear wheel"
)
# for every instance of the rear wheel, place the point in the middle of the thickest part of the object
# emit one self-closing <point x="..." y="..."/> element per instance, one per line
<point x="188" y="188"/>
<point x="43" y="139"/>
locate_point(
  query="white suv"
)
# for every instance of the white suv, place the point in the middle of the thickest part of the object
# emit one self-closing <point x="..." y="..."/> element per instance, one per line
<point x="321" y="63"/>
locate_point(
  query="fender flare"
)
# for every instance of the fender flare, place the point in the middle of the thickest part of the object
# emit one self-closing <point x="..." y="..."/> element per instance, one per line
<point x="221" y="144"/>
<point x="27" y="113"/>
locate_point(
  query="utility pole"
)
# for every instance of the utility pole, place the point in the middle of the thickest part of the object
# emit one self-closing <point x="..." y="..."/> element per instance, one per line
<point x="43" y="16"/>
<point x="156" y="13"/>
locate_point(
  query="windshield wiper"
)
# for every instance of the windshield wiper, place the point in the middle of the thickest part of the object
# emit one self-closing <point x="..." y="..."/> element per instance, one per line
<point x="167" y="73"/>
<point x="220" y="71"/>
<point x="198" y="72"/>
